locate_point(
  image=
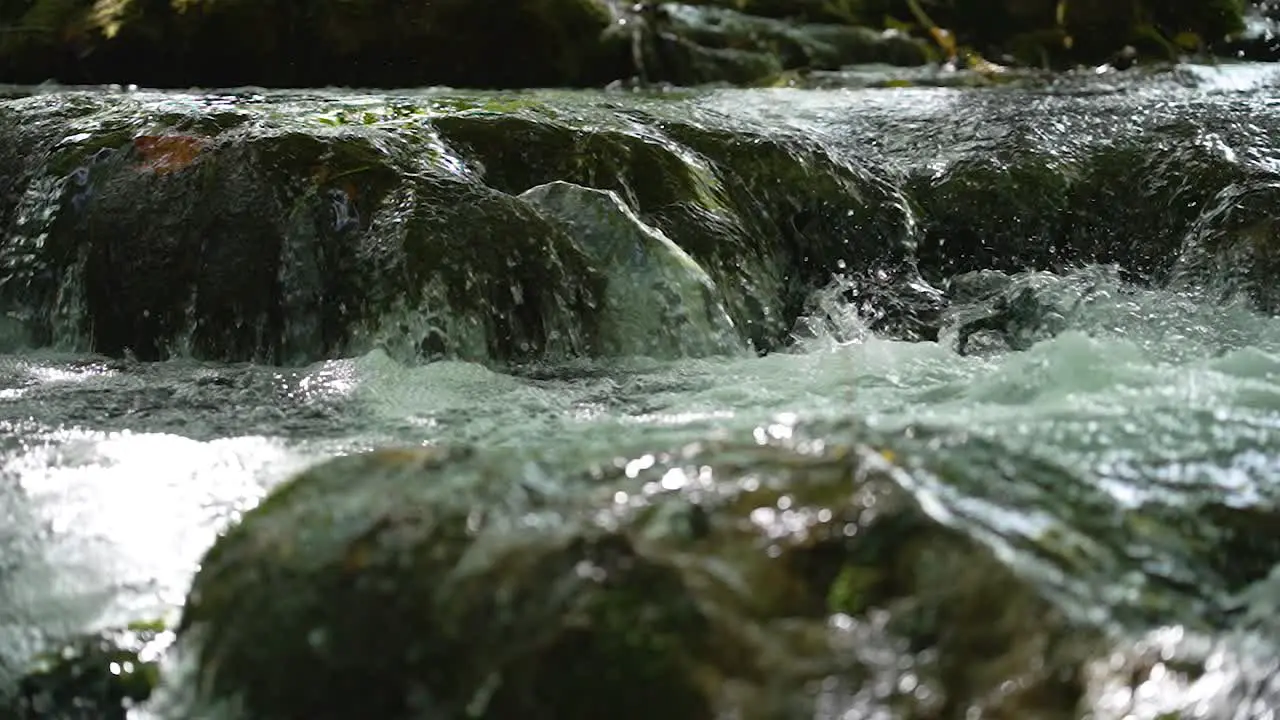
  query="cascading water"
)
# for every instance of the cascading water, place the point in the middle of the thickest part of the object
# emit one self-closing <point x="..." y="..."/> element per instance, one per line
<point x="998" y="300"/>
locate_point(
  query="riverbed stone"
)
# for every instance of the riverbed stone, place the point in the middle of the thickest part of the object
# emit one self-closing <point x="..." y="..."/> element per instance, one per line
<point x="656" y="301"/>
<point x="228" y="226"/>
<point x="275" y="246"/>
<point x="690" y="44"/>
<point x="710" y="580"/>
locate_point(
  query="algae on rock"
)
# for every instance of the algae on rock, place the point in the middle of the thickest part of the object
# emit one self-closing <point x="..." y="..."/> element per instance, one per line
<point x="99" y="675"/>
<point x="459" y="581"/>
<point x="281" y="244"/>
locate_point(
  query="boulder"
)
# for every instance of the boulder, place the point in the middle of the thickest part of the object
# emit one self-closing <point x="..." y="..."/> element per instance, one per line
<point x="759" y="581"/>
<point x="205" y="234"/>
<point x="696" y="44"/>
<point x="657" y="301"/>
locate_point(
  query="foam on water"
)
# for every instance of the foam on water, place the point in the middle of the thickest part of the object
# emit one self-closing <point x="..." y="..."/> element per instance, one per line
<point x="107" y="501"/>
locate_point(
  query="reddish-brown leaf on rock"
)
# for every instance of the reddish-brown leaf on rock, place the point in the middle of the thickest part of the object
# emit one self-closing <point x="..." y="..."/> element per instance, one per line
<point x="162" y="154"/>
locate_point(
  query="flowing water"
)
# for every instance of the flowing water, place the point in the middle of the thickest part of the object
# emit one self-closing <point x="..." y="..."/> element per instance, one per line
<point x="116" y="475"/>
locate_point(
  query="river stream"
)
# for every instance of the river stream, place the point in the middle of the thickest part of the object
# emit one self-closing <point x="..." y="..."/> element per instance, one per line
<point x="117" y="474"/>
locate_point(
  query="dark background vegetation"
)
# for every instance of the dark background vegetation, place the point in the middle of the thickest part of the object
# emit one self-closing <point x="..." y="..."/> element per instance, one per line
<point x="526" y="43"/>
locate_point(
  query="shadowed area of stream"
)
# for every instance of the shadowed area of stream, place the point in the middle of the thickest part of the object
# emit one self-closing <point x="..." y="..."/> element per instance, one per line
<point x="1079" y="367"/>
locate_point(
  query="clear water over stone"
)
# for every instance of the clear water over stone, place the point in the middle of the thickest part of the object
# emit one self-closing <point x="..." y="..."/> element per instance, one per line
<point x="116" y="475"/>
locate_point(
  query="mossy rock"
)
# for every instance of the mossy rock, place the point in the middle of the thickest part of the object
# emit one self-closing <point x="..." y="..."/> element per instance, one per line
<point x="696" y="44"/>
<point x="1000" y="211"/>
<point x="1142" y="196"/>
<point x="669" y="186"/>
<point x="463" y="592"/>
<point x="387" y="44"/>
<point x="209" y="237"/>
<point x="560" y="42"/>
<point x="1015" y="206"/>
<point x="657" y="301"/>
<point x="467" y="583"/>
<point x="852" y="218"/>
<point x="1087" y="31"/>
<point x="95" y="677"/>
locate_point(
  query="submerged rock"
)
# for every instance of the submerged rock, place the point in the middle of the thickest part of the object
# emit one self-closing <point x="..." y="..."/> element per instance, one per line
<point x="996" y="313"/>
<point x="772" y="581"/>
<point x="656" y="301"/>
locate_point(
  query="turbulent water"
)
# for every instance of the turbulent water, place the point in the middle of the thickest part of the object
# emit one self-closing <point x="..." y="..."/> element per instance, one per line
<point x="115" y="475"/>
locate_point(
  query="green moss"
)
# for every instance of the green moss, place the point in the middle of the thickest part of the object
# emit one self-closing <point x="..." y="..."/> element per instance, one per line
<point x="569" y="620"/>
<point x="100" y="675"/>
<point x="852" y="591"/>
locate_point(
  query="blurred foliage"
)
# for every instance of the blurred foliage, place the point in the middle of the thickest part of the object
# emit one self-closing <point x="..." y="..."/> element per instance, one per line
<point x="1030" y="32"/>
<point x="544" y="42"/>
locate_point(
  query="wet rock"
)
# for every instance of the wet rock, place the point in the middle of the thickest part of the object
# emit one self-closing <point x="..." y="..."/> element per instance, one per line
<point x="1184" y="558"/>
<point x="1233" y="249"/>
<point x="999" y="313"/>
<point x="725" y="195"/>
<point x="227" y="235"/>
<point x="203" y="237"/>
<point x="562" y="42"/>
<point x="670" y="188"/>
<point x="1121" y="200"/>
<point x="288" y="229"/>
<point x="1046" y="33"/>
<point x="96" y="677"/>
<point x="473" y="593"/>
<point x="1171" y="673"/>
<point x="852" y="218"/>
<point x="385" y="44"/>
<point x="718" y="579"/>
<point x="1121" y="188"/>
<point x="657" y="301"/>
<point x="973" y="219"/>
<point x="695" y="44"/>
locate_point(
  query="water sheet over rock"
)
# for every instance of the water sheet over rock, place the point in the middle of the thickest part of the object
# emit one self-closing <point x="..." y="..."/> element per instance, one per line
<point x="657" y="300"/>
